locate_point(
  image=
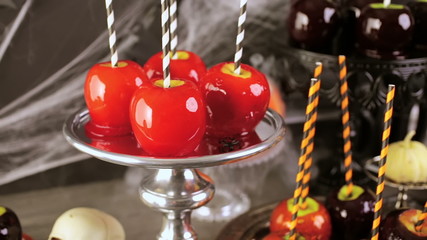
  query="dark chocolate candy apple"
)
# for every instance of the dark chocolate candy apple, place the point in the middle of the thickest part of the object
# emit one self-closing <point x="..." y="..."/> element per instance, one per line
<point x="419" y="11"/>
<point x="352" y="215"/>
<point x="313" y="222"/>
<point x="400" y="225"/>
<point x="10" y="227"/>
<point x="313" y="24"/>
<point x="385" y="32"/>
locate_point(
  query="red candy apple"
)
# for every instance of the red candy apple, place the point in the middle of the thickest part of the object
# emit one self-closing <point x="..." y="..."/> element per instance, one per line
<point x="352" y="215"/>
<point x="187" y="66"/>
<point x="235" y="103"/>
<point x="400" y="225"/>
<point x="107" y="92"/>
<point x="313" y="222"/>
<point x="168" y="122"/>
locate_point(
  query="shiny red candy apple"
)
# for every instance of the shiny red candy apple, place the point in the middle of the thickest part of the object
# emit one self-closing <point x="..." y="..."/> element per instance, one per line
<point x="168" y="122"/>
<point x="187" y="65"/>
<point x="235" y="103"/>
<point x="107" y="93"/>
<point x="400" y="225"/>
<point x="352" y="215"/>
<point x="313" y="222"/>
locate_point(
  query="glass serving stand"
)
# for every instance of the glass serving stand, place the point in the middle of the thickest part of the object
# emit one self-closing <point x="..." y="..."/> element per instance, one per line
<point x="402" y="199"/>
<point x="176" y="187"/>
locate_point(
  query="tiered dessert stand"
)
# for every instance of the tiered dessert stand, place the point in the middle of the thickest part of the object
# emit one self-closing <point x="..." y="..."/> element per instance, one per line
<point x="176" y="187"/>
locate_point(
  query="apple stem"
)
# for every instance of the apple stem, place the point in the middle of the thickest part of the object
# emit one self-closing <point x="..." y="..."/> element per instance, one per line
<point x="112" y="33"/>
<point x="240" y="37"/>
<point x="386" y="3"/>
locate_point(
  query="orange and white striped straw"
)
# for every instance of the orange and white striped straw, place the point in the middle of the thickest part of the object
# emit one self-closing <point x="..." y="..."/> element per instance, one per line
<point x="383" y="162"/>
<point x="314" y="87"/>
<point x="346" y="125"/>
<point x="421" y="219"/>
<point x="309" y="161"/>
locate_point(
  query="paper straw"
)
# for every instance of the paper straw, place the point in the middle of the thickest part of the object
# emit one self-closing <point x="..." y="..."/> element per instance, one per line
<point x="173" y="7"/>
<point x="314" y="87"/>
<point x="345" y="118"/>
<point x="421" y="218"/>
<point x="386" y="3"/>
<point x="309" y="161"/>
<point x="240" y="36"/>
<point x="383" y="161"/>
<point x="165" y="43"/>
<point x="111" y="32"/>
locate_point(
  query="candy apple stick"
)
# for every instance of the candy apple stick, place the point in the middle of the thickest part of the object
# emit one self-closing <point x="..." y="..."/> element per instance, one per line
<point x="345" y="117"/>
<point x="307" y="165"/>
<point x="240" y="36"/>
<point x="382" y="164"/>
<point x="112" y="32"/>
<point x="165" y="44"/>
<point x="173" y="7"/>
<point x="314" y="87"/>
<point x="421" y="219"/>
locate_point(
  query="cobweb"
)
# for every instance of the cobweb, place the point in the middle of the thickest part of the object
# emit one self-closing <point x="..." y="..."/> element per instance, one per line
<point x="31" y="139"/>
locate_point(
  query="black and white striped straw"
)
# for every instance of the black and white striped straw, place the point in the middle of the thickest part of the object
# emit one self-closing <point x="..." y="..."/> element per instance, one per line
<point x="112" y="32"/>
<point x="173" y="8"/>
<point x="240" y="36"/>
<point x="165" y="44"/>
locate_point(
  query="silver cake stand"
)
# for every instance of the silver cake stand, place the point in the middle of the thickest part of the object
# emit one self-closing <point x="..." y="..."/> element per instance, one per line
<point x="176" y="187"/>
<point x="371" y="170"/>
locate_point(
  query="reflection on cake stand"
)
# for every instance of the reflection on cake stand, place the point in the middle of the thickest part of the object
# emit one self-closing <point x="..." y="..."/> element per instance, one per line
<point x="402" y="199"/>
<point x="175" y="187"/>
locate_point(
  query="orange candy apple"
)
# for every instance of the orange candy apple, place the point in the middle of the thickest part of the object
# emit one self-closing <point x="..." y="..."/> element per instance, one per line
<point x="236" y="103"/>
<point x="187" y="66"/>
<point x="313" y="222"/>
<point x="168" y="122"/>
<point x="107" y="93"/>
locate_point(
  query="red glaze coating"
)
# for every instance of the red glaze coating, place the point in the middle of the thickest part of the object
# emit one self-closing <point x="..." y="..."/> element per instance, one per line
<point x="235" y="103"/>
<point x="126" y="144"/>
<point x="188" y="66"/>
<point x="108" y="92"/>
<point x="26" y="237"/>
<point x="168" y="122"/>
<point x="313" y="225"/>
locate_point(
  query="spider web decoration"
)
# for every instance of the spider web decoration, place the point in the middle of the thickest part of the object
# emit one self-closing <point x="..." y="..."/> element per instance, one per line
<point x="31" y="139"/>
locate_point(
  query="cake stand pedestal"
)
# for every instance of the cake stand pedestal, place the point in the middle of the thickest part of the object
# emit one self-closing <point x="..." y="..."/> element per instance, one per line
<point x="176" y="187"/>
<point x="402" y="198"/>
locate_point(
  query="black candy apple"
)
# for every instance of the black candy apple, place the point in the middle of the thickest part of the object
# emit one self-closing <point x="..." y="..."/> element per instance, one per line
<point x="385" y="31"/>
<point x="400" y="225"/>
<point x="313" y="24"/>
<point x="351" y="216"/>
<point x="10" y="228"/>
<point x="419" y="11"/>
